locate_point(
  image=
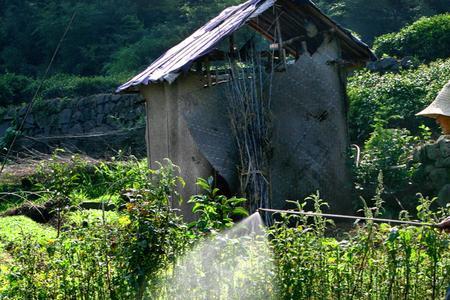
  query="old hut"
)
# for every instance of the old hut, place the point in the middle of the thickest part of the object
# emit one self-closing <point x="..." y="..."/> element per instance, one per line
<point x="304" y="56"/>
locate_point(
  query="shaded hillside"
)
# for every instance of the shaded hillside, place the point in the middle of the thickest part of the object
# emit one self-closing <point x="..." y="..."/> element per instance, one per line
<point x="110" y="37"/>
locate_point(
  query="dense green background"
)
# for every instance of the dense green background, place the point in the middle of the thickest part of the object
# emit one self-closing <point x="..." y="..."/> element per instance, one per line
<point x="112" y="36"/>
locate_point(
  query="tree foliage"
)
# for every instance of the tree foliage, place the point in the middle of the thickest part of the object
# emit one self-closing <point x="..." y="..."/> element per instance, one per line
<point x="393" y="99"/>
<point x="373" y="18"/>
<point x="426" y="39"/>
<point x="112" y="36"/>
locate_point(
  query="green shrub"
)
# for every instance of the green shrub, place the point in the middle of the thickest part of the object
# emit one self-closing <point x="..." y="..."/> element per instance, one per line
<point x="75" y="179"/>
<point x="379" y="260"/>
<point x="75" y="174"/>
<point x="8" y="137"/>
<point x="427" y="39"/>
<point x="393" y="99"/>
<point x="215" y="211"/>
<point x="389" y="151"/>
<point x="133" y="253"/>
<point x="134" y="58"/>
<point x="117" y="255"/>
<point x="67" y="86"/>
<point x="15" y="89"/>
<point x="12" y="229"/>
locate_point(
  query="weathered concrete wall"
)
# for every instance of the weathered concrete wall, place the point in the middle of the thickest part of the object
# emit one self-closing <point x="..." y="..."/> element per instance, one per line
<point x="190" y="124"/>
<point x="168" y="135"/>
<point x="310" y="138"/>
<point x="96" y="125"/>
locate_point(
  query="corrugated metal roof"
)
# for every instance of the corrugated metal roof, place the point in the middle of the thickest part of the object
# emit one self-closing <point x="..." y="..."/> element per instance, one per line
<point x="201" y="42"/>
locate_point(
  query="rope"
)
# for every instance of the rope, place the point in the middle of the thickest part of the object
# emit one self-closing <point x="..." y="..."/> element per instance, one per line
<point x="77" y="136"/>
<point x="308" y="213"/>
<point x="30" y="105"/>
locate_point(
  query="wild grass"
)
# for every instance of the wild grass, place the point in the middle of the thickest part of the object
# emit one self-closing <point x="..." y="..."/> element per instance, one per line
<point x="132" y="252"/>
<point x="12" y="229"/>
<point x="372" y="261"/>
<point x="76" y="178"/>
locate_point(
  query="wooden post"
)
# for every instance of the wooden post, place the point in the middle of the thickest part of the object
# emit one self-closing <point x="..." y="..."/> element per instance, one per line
<point x="231" y="49"/>
<point x="280" y="41"/>
<point x="198" y="67"/>
<point x="208" y="71"/>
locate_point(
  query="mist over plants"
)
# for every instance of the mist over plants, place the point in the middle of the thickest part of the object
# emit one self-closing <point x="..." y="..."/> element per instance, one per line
<point x="142" y="248"/>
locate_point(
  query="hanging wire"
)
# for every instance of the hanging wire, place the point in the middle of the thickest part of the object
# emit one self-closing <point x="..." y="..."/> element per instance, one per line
<point x="36" y="93"/>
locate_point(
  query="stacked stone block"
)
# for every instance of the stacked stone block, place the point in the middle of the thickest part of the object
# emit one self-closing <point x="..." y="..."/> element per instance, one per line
<point x="95" y="125"/>
<point x="435" y="160"/>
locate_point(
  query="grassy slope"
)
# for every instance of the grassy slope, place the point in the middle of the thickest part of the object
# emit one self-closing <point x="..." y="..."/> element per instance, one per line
<point x="12" y="230"/>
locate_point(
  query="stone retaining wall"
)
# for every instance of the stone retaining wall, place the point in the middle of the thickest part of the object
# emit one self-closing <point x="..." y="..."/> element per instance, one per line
<point x="97" y="125"/>
<point x="435" y="160"/>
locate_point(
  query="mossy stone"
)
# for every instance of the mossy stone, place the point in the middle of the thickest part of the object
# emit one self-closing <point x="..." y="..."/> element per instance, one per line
<point x="444" y="195"/>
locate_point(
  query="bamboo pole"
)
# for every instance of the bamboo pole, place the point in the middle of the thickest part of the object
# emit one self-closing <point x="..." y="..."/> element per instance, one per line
<point x="337" y="216"/>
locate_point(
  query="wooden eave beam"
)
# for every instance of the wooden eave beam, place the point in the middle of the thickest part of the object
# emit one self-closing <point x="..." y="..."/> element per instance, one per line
<point x="255" y="26"/>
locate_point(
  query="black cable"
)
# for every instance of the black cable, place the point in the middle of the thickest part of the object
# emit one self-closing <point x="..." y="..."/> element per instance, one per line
<point x="30" y="105"/>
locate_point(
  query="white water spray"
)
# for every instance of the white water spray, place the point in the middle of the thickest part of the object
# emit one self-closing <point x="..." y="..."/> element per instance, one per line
<point x="235" y="264"/>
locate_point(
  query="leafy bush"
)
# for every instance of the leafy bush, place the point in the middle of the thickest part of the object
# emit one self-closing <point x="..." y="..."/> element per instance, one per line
<point x="389" y="151"/>
<point x="154" y="231"/>
<point x="29" y="34"/>
<point x="76" y="179"/>
<point x="118" y="255"/>
<point x="215" y="211"/>
<point x="94" y="179"/>
<point x="379" y="260"/>
<point x="392" y="100"/>
<point x="136" y="57"/>
<point x="65" y="86"/>
<point x="427" y="39"/>
<point x="8" y="137"/>
<point x="15" y="89"/>
<point x="14" y="228"/>
<point x="133" y="253"/>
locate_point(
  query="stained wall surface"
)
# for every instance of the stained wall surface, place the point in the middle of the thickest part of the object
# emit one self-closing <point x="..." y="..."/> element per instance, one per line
<point x="190" y="124"/>
<point x="310" y="136"/>
<point x="168" y="136"/>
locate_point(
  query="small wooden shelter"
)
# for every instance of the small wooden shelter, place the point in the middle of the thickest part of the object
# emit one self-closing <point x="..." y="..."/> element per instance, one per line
<point x="188" y="113"/>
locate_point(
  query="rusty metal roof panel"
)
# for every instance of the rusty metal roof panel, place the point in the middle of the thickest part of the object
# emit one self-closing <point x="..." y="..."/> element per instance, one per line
<point x="168" y="66"/>
<point x="180" y="58"/>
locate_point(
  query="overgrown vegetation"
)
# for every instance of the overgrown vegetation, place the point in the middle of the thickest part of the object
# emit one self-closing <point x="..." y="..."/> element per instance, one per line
<point x="393" y="99"/>
<point x="106" y="36"/>
<point x="132" y="252"/>
<point x="387" y="153"/>
<point x="118" y="254"/>
<point x="372" y="260"/>
<point x="17" y="89"/>
<point x="76" y="178"/>
<point x="383" y="121"/>
<point x="425" y="39"/>
<point x="118" y="38"/>
<point x="374" y="18"/>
